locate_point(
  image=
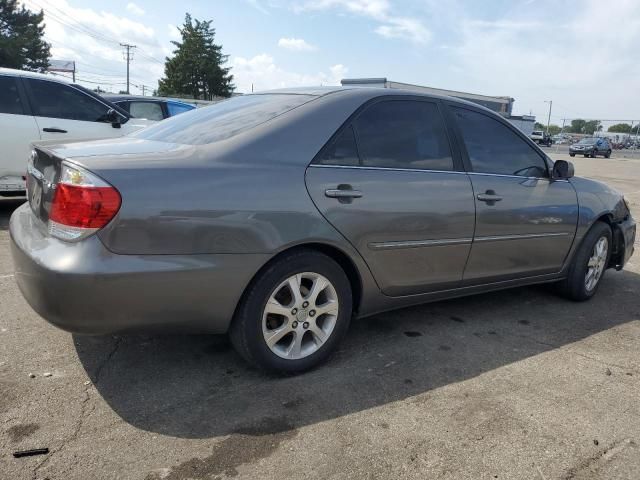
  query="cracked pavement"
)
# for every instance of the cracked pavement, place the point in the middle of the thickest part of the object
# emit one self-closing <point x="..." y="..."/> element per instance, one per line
<point x="509" y="385"/>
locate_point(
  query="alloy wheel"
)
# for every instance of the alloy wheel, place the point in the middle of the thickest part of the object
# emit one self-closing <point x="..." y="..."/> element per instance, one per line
<point x="300" y="315"/>
<point x="596" y="264"/>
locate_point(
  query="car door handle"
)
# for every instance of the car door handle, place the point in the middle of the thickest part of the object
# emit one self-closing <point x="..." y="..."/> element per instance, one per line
<point x="489" y="197"/>
<point x="338" y="193"/>
<point x="53" y="130"/>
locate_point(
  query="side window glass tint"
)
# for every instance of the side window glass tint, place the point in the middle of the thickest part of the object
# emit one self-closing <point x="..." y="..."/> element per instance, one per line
<point x="10" y="101"/>
<point x="148" y="110"/>
<point x="57" y="100"/>
<point x="342" y="150"/>
<point x="495" y="148"/>
<point x="176" y="108"/>
<point x="403" y="134"/>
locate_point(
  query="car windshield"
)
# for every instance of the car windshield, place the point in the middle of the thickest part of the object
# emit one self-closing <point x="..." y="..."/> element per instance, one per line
<point x="587" y="141"/>
<point x="222" y="120"/>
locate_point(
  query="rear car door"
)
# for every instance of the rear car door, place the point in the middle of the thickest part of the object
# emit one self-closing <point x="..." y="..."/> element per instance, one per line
<point x="525" y="222"/>
<point x="388" y="182"/>
<point x="18" y="129"/>
<point x="64" y="112"/>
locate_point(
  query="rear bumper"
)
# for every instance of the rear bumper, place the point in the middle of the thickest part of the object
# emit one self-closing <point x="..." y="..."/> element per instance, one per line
<point x="12" y="184"/>
<point x="84" y="288"/>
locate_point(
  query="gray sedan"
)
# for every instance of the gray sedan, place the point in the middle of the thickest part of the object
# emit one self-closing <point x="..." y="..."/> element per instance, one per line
<point x="277" y="217"/>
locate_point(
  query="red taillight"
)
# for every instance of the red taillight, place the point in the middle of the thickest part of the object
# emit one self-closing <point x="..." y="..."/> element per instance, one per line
<point x="82" y="204"/>
<point x="84" y="207"/>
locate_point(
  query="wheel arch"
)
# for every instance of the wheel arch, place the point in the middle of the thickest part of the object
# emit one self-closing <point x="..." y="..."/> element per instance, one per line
<point x="338" y="255"/>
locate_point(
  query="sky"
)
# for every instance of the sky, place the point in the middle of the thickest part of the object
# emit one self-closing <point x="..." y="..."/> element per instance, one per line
<point x="582" y="54"/>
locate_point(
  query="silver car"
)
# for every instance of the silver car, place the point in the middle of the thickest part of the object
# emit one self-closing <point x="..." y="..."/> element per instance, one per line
<point x="277" y="217"/>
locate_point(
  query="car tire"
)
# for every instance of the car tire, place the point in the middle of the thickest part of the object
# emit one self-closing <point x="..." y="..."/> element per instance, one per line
<point x="578" y="286"/>
<point x="572" y="154"/>
<point x="305" y="338"/>
<point x="608" y="154"/>
<point x="594" y="154"/>
<point x="587" y="155"/>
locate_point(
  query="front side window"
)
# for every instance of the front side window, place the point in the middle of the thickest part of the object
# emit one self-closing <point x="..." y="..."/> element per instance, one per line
<point x="494" y="148"/>
<point x="57" y="100"/>
<point x="10" y="101"/>
<point x="403" y="134"/>
<point x="148" y="110"/>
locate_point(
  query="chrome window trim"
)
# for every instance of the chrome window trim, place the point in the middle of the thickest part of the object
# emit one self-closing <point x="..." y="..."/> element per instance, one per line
<point x="362" y="167"/>
<point x="419" y="243"/>
<point x="458" y="172"/>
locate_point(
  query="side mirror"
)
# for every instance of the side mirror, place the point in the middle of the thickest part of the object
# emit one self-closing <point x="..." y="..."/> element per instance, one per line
<point x="114" y="118"/>
<point x="562" y="170"/>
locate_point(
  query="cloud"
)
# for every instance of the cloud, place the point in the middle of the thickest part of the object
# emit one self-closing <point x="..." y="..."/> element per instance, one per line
<point x="262" y="72"/>
<point x="405" y="28"/>
<point x="390" y="24"/>
<point x="173" y="32"/>
<point x="135" y="9"/>
<point x="92" y="38"/>
<point x="295" y="45"/>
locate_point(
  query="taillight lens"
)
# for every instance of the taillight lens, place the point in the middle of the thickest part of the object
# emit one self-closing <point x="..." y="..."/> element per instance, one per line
<point x="82" y="204"/>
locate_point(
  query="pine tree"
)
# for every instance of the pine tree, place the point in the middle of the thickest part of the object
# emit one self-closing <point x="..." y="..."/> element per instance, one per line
<point x="21" y="42"/>
<point x="196" y="68"/>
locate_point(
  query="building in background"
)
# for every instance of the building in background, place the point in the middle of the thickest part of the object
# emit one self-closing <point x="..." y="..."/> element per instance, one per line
<point x="501" y="105"/>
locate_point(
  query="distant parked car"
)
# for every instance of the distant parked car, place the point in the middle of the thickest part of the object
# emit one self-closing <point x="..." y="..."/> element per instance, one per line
<point x="591" y="147"/>
<point x="278" y="216"/>
<point x="152" y="108"/>
<point x="36" y="107"/>
<point x="540" y="137"/>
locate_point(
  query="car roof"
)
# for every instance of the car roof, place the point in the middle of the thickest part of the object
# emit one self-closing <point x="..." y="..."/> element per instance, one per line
<point x="42" y="76"/>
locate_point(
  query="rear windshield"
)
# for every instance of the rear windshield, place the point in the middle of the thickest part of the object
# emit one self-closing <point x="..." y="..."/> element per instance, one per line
<point x="222" y="120"/>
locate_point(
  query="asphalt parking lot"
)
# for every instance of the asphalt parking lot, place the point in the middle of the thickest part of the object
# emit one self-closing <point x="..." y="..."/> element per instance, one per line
<point x="517" y="384"/>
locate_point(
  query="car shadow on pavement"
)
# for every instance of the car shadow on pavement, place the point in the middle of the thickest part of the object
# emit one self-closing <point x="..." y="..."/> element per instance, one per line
<point x="197" y="387"/>
<point x="7" y="206"/>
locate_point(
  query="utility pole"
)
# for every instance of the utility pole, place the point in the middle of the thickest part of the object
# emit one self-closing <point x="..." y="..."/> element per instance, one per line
<point x="550" y="102"/>
<point x="128" y="58"/>
<point x="143" y="87"/>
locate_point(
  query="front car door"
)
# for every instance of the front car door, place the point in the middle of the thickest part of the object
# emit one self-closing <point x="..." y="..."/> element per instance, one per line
<point x="388" y="182"/>
<point x="64" y="112"/>
<point x="19" y="129"/>
<point x="525" y="222"/>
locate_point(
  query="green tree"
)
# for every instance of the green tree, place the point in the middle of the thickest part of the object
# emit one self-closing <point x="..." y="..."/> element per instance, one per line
<point x="620" y="128"/>
<point x="592" y="126"/>
<point x="577" y="126"/>
<point x="197" y="66"/>
<point x="553" y="129"/>
<point x="21" y="42"/>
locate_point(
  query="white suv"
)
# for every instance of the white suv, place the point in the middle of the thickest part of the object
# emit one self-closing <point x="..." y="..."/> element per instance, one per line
<point x="36" y="107"/>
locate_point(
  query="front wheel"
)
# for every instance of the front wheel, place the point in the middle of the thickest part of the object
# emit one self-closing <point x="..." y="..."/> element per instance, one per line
<point x="572" y="154"/>
<point x="294" y="313"/>
<point x="608" y="154"/>
<point x="589" y="264"/>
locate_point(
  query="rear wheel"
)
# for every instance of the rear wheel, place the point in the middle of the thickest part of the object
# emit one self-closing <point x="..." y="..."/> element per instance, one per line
<point x="294" y="313"/>
<point x="608" y="154"/>
<point x="572" y="154"/>
<point x="589" y="264"/>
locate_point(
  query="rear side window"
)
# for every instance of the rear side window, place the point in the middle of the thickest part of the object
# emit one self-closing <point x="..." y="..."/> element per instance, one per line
<point x="57" y="100"/>
<point x="342" y="150"/>
<point x="148" y="110"/>
<point x="403" y="134"/>
<point x="177" y="108"/>
<point x="10" y="101"/>
<point x="495" y="148"/>
<point x="222" y="120"/>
